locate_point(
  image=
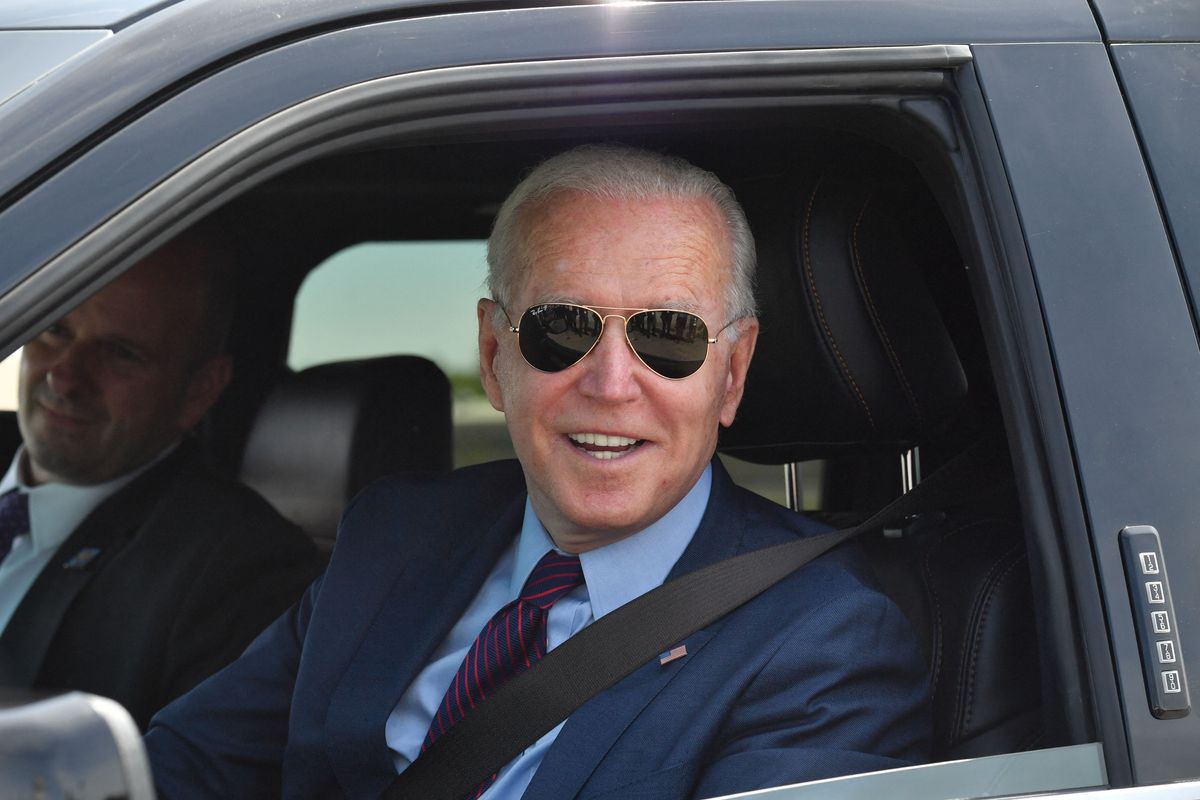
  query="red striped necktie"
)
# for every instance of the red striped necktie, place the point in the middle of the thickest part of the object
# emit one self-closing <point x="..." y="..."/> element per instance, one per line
<point x="509" y="643"/>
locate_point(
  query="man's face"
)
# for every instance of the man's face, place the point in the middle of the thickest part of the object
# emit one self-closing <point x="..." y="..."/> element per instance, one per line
<point x="106" y="388"/>
<point x="619" y="254"/>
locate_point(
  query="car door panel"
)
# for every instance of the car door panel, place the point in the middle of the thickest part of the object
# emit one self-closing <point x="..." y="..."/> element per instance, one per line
<point x="1109" y="285"/>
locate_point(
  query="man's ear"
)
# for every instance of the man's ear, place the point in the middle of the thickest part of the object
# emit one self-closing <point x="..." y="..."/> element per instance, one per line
<point x="203" y="389"/>
<point x="739" y="365"/>
<point x="489" y="352"/>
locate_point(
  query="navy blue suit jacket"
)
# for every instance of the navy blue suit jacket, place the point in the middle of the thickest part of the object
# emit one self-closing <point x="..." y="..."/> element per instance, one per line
<point x="818" y="676"/>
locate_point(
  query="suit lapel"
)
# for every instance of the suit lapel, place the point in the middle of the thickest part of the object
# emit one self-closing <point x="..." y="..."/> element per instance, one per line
<point x="592" y="730"/>
<point x="97" y="540"/>
<point x="401" y="635"/>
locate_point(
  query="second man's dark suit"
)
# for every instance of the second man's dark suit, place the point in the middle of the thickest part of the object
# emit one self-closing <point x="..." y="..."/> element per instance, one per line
<point x="162" y="584"/>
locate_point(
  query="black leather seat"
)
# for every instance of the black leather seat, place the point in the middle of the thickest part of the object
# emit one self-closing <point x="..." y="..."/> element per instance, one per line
<point x="325" y="432"/>
<point x="856" y="363"/>
<point x="10" y="437"/>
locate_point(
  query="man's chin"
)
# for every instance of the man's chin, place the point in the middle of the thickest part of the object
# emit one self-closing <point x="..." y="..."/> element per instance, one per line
<point x="604" y="520"/>
<point x="58" y="465"/>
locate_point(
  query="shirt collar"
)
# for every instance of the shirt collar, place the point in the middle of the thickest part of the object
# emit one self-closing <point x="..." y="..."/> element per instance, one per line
<point x="628" y="568"/>
<point x="57" y="509"/>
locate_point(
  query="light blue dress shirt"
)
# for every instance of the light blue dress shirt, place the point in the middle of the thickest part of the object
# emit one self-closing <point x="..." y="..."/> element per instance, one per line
<point x="55" y="511"/>
<point x="613" y="575"/>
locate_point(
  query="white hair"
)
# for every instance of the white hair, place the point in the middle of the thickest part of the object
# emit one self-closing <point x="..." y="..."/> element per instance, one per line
<point x="619" y="171"/>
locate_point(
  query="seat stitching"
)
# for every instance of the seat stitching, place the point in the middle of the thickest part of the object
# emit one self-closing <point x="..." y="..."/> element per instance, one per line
<point x="935" y="667"/>
<point x="876" y="321"/>
<point x="814" y="293"/>
<point x="979" y="603"/>
<point x="974" y="660"/>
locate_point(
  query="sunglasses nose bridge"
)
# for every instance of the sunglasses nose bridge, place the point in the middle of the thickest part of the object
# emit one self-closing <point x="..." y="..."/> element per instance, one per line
<point x="604" y="318"/>
<point x="608" y="373"/>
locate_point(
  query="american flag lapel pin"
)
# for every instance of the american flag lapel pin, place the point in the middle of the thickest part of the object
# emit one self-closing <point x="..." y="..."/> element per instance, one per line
<point x="673" y="654"/>
<point x="81" y="559"/>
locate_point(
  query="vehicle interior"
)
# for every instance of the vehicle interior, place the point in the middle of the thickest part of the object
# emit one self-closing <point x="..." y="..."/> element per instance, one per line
<point x="871" y="353"/>
<point x="872" y="366"/>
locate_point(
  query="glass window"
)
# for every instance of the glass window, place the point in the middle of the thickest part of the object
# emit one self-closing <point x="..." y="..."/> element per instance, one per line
<point x="382" y="298"/>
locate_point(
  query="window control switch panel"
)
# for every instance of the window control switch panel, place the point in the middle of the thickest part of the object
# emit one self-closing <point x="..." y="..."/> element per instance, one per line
<point x="1154" y="618"/>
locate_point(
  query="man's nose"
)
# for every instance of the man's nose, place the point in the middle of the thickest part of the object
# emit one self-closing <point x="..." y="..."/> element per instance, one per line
<point x="69" y="372"/>
<point x="612" y="370"/>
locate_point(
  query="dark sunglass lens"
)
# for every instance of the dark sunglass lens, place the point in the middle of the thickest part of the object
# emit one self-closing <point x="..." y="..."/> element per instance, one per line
<point x="672" y="343"/>
<point x="554" y="336"/>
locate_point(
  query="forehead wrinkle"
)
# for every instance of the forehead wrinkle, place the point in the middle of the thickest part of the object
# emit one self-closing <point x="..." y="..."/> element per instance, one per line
<point x="566" y="240"/>
<point x="681" y="294"/>
<point x="685" y="281"/>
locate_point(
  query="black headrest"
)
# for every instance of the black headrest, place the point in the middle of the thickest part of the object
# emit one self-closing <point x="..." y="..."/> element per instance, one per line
<point x="853" y="353"/>
<point x="325" y="432"/>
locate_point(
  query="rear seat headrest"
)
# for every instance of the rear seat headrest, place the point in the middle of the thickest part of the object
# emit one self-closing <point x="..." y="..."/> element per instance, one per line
<point x="853" y="353"/>
<point x="325" y="432"/>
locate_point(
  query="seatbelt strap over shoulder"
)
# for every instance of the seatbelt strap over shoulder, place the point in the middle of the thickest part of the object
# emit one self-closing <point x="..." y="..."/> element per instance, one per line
<point x="533" y="702"/>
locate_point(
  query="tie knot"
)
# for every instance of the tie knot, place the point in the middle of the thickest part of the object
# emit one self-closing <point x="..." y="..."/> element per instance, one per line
<point x="553" y="577"/>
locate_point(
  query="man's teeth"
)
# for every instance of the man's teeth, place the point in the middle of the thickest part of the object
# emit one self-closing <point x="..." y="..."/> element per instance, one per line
<point x="601" y="440"/>
<point x="591" y="442"/>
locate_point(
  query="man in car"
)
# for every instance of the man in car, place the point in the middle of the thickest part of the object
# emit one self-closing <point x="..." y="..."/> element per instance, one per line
<point x="127" y="568"/>
<point x="616" y="342"/>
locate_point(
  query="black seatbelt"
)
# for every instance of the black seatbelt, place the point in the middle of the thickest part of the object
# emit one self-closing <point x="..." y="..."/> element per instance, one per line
<point x="534" y="701"/>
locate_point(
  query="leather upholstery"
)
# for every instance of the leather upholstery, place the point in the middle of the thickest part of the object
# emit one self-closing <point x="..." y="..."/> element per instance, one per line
<point x="985" y="671"/>
<point x="325" y="432"/>
<point x="962" y="577"/>
<point x="10" y="437"/>
<point x="854" y="358"/>
<point x="866" y="358"/>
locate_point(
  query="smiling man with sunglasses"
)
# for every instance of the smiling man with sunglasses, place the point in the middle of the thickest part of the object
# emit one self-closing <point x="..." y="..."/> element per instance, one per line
<point x="616" y="342"/>
<point x="613" y="386"/>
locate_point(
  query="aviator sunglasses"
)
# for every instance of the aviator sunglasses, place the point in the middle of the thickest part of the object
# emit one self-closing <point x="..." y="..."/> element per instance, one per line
<point x="554" y="336"/>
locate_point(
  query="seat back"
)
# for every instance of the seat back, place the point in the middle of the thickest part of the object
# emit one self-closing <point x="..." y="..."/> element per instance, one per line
<point x="962" y="576"/>
<point x="10" y="436"/>
<point x="853" y="354"/>
<point x="856" y="361"/>
<point x="325" y="432"/>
